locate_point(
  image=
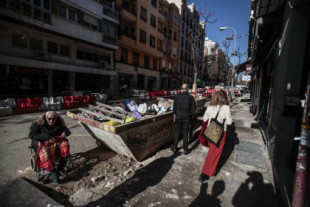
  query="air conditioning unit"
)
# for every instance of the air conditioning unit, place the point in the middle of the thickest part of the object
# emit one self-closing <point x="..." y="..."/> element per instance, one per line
<point x="103" y="65"/>
<point x="42" y="55"/>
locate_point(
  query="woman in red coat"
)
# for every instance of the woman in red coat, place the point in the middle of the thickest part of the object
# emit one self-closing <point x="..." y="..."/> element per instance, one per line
<point x="218" y="104"/>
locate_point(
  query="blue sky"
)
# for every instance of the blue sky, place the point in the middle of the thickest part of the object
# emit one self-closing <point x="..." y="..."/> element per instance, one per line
<point x="229" y="13"/>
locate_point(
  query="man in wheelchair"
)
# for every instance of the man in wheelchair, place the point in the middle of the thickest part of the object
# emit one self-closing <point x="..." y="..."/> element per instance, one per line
<point x="48" y="134"/>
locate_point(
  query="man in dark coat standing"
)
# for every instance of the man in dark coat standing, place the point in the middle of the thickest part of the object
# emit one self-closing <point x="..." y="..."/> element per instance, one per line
<point x="184" y="109"/>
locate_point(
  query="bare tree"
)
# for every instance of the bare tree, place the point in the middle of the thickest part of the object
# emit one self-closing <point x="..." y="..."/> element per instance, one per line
<point x="238" y="53"/>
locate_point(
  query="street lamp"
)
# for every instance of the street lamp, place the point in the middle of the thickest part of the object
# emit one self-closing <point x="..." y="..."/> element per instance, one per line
<point x="233" y="54"/>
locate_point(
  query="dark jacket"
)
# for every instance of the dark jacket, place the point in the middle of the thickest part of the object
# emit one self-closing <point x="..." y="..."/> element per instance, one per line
<point x="184" y="105"/>
<point x="41" y="131"/>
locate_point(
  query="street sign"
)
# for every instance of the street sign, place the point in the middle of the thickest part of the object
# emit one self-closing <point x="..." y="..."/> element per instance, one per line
<point x="246" y="77"/>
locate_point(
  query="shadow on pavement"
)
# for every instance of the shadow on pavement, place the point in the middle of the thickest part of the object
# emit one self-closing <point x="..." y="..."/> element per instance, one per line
<point x="91" y="158"/>
<point x="145" y="177"/>
<point x="57" y="196"/>
<point x="231" y="140"/>
<point x="203" y="199"/>
<point x="254" y="192"/>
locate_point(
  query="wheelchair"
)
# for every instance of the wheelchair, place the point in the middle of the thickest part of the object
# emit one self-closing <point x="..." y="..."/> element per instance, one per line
<point x="40" y="171"/>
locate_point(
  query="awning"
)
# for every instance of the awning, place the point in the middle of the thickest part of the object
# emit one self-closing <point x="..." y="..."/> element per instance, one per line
<point x="245" y="66"/>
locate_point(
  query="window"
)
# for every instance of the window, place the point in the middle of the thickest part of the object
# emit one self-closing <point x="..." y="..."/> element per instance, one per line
<point x="175" y="36"/>
<point x="164" y="64"/>
<point x="62" y="11"/>
<point x="35" y="44"/>
<point x="82" y="55"/>
<point x="152" y="41"/>
<point x="146" y="61"/>
<point x="182" y="42"/>
<point x="169" y="34"/>
<point x="142" y="36"/>
<point x="124" y="55"/>
<point x="165" y="31"/>
<point x="153" y="20"/>
<point x="135" y="59"/>
<point x="164" y="48"/>
<point x="166" y="15"/>
<point x="90" y="22"/>
<point x="39" y="9"/>
<point x="169" y="50"/>
<point x="143" y="13"/>
<point x="72" y="15"/>
<point x="52" y="47"/>
<point x="109" y="32"/>
<point x="64" y="50"/>
<point x="19" y="40"/>
<point x="67" y="13"/>
<point x="159" y="44"/>
<point x="175" y="19"/>
<point x="174" y="50"/>
<point x="169" y="65"/>
<point x="154" y="63"/>
<point x="154" y="3"/>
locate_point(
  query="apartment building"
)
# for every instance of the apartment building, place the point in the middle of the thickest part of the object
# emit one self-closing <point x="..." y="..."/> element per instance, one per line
<point x="146" y="57"/>
<point x="169" y="22"/>
<point x="48" y="47"/>
<point x="215" y="67"/>
<point x="191" y="44"/>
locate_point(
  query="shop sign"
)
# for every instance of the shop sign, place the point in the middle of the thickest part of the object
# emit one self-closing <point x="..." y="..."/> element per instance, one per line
<point x="248" y="69"/>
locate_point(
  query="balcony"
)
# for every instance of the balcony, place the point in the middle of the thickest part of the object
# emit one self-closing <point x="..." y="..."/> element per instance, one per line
<point x="109" y="38"/>
<point x="127" y="38"/>
<point x="130" y="35"/>
<point x="128" y="13"/>
<point x="160" y="34"/>
<point x="110" y="12"/>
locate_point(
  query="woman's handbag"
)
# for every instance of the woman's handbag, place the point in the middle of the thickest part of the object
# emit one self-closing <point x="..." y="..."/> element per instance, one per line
<point x="214" y="131"/>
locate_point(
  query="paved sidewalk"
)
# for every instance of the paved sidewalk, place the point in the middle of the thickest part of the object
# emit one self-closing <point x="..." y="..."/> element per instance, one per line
<point x="244" y="177"/>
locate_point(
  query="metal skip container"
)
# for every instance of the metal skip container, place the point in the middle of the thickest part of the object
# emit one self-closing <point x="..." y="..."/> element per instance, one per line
<point x="137" y="139"/>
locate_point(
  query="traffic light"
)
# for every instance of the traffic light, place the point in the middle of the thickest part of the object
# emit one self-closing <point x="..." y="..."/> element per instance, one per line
<point x="198" y="79"/>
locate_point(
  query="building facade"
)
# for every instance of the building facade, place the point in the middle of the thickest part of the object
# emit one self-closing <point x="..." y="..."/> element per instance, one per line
<point x="48" y="47"/>
<point x="279" y="42"/>
<point x="148" y="50"/>
<point x="191" y="44"/>
<point x="215" y="65"/>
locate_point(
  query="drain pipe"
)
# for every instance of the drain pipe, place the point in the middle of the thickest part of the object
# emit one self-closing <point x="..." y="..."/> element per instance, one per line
<point x="300" y="182"/>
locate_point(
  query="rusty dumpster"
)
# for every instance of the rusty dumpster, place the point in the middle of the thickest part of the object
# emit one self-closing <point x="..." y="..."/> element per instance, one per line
<point x="136" y="140"/>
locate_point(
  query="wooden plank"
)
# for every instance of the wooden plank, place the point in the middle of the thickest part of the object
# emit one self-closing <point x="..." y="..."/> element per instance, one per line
<point x="114" y="109"/>
<point x="100" y="115"/>
<point x="122" y="116"/>
<point x="164" y="99"/>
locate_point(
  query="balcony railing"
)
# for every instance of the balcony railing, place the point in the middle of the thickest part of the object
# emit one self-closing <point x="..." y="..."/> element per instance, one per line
<point x="109" y="38"/>
<point x="130" y="35"/>
<point x="110" y="12"/>
<point x="128" y="8"/>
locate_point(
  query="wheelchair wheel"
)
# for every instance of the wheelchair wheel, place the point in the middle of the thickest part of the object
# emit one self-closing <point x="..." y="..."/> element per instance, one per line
<point x="33" y="163"/>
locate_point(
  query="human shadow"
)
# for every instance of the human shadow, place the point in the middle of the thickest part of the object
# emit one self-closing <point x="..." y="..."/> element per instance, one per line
<point x="230" y="143"/>
<point x="203" y="199"/>
<point x="143" y="178"/>
<point x="254" y="192"/>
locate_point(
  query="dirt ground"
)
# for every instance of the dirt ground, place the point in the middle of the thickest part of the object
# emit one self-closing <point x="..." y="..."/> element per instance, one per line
<point x="95" y="173"/>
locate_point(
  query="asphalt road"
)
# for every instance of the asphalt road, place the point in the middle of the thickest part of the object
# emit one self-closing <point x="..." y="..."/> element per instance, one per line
<point x="14" y="152"/>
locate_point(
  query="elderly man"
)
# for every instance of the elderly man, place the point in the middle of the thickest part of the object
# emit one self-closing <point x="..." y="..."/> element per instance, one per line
<point x="184" y="109"/>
